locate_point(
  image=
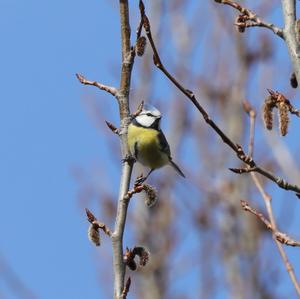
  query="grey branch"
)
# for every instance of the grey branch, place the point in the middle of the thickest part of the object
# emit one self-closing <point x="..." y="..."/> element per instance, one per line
<point x="123" y="100"/>
<point x="289" y="33"/>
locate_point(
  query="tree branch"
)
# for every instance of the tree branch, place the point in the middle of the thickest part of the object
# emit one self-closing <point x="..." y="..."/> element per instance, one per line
<point x="289" y="33"/>
<point x="247" y="18"/>
<point x="123" y="100"/>
<point x="109" y="89"/>
<point x="278" y="237"/>
<point x="234" y="146"/>
<point x="267" y="200"/>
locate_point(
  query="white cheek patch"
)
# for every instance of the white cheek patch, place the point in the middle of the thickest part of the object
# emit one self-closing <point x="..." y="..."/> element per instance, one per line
<point x="144" y="120"/>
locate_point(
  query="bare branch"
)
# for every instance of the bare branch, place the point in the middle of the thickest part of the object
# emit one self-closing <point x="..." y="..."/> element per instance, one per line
<point x="252" y="114"/>
<point x="136" y="189"/>
<point x="247" y="18"/>
<point x="109" y="89"/>
<point x="267" y="201"/>
<point x="243" y="170"/>
<point x="289" y="32"/>
<point x="277" y="236"/>
<point x="281" y="237"/>
<point x="112" y="127"/>
<point x="190" y="95"/>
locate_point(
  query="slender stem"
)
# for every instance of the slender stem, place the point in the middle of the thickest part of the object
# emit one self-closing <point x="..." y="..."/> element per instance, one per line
<point x="123" y="100"/>
<point x="109" y="89"/>
<point x="252" y="115"/>
<point x="251" y="19"/>
<point x="267" y="200"/>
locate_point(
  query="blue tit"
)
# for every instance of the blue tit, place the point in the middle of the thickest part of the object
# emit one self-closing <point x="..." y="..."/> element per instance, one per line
<point x="147" y="143"/>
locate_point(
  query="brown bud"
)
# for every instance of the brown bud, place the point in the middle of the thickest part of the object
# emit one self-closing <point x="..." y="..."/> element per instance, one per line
<point x="129" y="256"/>
<point x="268" y="112"/>
<point x="293" y="80"/>
<point x="146" y="23"/>
<point x="141" y="45"/>
<point x="150" y="195"/>
<point x="132" y="265"/>
<point x="93" y="235"/>
<point x="283" y="115"/>
<point x="241" y="28"/>
<point x="240" y="22"/>
<point x="129" y="259"/>
<point x="142" y="7"/>
<point x="90" y="215"/>
<point x="142" y="253"/>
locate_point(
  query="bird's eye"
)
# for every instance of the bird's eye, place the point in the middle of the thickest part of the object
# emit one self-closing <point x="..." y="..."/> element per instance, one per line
<point x="149" y="114"/>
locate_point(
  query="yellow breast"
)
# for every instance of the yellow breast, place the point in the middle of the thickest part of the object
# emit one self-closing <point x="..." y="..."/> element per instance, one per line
<point x="145" y="142"/>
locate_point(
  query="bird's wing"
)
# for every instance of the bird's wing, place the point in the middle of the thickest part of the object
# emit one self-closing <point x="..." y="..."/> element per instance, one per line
<point x="164" y="147"/>
<point x="163" y="144"/>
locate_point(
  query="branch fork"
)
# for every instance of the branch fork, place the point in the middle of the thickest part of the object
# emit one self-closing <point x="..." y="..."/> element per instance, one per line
<point x="280" y="236"/>
<point x="248" y="18"/>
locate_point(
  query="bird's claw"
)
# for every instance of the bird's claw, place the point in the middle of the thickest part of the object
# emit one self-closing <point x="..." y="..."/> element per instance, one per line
<point x="140" y="180"/>
<point x="129" y="159"/>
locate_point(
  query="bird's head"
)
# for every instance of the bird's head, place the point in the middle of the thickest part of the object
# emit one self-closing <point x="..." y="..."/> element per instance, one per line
<point x="149" y="117"/>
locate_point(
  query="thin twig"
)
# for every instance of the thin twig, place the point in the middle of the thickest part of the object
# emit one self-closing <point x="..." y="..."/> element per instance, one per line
<point x="190" y="95"/>
<point x="243" y="170"/>
<point x="250" y="19"/>
<point x="252" y="114"/>
<point x="109" y="89"/>
<point x="136" y="189"/>
<point x="267" y="200"/>
<point x="280" y="236"/>
<point x="140" y="27"/>
<point x="112" y="127"/>
<point x="277" y="236"/>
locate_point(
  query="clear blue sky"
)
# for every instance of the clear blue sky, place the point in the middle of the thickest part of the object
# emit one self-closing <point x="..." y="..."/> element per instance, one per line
<point x="45" y="130"/>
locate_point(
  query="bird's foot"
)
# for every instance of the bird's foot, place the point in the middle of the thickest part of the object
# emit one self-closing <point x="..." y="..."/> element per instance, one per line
<point x="129" y="159"/>
<point x="140" y="180"/>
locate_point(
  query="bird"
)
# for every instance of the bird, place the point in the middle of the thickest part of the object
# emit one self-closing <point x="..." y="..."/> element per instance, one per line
<point x="147" y="143"/>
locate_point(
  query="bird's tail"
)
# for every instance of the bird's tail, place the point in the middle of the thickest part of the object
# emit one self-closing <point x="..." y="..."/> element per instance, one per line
<point x="176" y="168"/>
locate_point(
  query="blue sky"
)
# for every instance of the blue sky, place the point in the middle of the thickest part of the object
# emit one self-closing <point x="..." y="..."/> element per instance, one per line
<point x="45" y="130"/>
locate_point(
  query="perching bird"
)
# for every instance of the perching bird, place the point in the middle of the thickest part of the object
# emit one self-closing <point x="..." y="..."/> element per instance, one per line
<point x="147" y="143"/>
